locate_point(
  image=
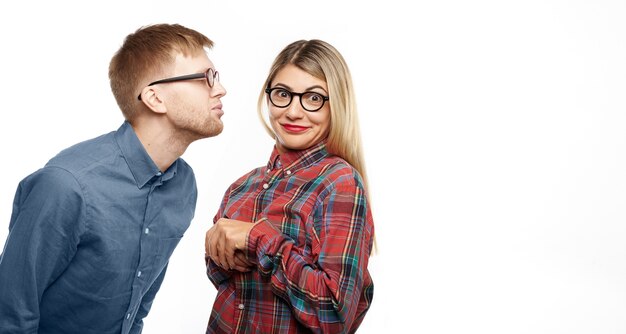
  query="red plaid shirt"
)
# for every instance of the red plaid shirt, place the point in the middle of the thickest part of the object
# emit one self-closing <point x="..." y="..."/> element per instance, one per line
<point x="311" y="251"/>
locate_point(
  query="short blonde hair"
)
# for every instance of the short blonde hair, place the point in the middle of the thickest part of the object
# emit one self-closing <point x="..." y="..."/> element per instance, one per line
<point x="146" y="53"/>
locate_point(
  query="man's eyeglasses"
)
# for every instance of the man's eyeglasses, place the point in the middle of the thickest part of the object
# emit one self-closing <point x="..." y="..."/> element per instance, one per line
<point x="310" y="101"/>
<point x="210" y="75"/>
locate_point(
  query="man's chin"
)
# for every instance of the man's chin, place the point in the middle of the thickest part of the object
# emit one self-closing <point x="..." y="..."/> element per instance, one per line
<point x="216" y="129"/>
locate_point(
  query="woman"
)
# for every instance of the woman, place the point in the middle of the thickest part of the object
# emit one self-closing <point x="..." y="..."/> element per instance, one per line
<point x="290" y="245"/>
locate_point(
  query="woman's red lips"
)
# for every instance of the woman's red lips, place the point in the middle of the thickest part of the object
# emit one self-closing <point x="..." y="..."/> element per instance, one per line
<point x="294" y="128"/>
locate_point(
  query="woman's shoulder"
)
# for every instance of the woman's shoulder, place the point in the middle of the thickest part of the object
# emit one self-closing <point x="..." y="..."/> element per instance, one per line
<point x="339" y="170"/>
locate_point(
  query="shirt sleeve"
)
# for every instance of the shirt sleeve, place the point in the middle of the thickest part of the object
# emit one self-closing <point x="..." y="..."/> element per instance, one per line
<point x="146" y="303"/>
<point x="324" y="295"/>
<point x="217" y="274"/>
<point x="46" y="224"/>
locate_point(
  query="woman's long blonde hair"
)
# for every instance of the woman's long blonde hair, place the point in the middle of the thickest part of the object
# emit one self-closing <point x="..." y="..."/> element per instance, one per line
<point x="324" y="62"/>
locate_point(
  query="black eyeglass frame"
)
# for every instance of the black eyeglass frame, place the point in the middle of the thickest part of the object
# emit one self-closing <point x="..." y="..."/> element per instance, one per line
<point x="292" y="94"/>
<point x="206" y="75"/>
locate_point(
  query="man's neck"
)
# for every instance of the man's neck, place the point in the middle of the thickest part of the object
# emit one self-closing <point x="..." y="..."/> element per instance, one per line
<point x="161" y="143"/>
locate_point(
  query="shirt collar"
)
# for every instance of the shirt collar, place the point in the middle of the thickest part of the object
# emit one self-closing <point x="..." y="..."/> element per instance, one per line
<point x="139" y="162"/>
<point x="297" y="159"/>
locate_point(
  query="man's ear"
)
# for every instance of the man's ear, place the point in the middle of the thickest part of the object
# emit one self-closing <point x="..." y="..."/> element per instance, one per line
<point x="151" y="98"/>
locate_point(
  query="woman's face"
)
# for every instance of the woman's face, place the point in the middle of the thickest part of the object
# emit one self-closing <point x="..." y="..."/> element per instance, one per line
<point x="295" y="127"/>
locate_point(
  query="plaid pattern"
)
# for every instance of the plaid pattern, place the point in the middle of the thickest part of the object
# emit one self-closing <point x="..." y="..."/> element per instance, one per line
<point x="311" y="248"/>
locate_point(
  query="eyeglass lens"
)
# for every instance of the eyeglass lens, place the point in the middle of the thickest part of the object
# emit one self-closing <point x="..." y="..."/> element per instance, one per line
<point x="212" y="76"/>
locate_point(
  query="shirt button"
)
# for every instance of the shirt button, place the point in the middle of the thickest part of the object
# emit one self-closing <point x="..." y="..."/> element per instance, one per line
<point x="128" y="316"/>
<point x="265" y="186"/>
<point x="288" y="172"/>
<point x="240" y="306"/>
<point x="268" y="170"/>
<point x="159" y="174"/>
<point x="139" y="273"/>
<point x="146" y="231"/>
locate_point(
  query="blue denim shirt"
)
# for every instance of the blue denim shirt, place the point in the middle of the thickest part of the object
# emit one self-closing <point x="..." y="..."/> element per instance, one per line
<point x="90" y="237"/>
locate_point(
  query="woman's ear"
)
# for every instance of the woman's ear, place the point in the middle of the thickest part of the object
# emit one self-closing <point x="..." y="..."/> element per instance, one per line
<point x="151" y="99"/>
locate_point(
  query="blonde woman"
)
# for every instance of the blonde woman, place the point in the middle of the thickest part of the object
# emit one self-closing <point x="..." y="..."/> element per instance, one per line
<point x="290" y="244"/>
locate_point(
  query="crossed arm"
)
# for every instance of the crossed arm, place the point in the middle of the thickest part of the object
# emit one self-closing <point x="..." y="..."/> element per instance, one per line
<point x="333" y="284"/>
<point x="225" y="244"/>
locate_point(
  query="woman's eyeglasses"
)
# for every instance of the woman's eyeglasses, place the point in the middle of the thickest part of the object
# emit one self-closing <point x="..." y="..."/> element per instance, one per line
<point x="310" y="101"/>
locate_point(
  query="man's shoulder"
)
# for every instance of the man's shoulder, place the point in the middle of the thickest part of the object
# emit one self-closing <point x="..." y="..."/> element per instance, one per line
<point x="86" y="153"/>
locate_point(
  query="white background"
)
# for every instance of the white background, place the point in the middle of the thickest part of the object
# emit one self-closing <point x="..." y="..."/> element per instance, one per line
<point x="494" y="135"/>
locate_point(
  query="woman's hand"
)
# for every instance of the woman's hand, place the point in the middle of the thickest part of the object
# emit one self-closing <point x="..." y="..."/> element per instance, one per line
<point x="225" y="244"/>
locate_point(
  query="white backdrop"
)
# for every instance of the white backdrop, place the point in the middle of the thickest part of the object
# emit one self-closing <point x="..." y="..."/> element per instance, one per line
<point x="494" y="135"/>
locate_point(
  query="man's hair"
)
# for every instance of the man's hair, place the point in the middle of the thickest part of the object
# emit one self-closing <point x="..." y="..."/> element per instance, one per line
<point x="146" y="55"/>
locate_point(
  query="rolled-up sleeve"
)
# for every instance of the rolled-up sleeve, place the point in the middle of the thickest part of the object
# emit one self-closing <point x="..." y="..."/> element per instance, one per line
<point x="324" y="294"/>
<point x="216" y="274"/>
<point x="44" y="231"/>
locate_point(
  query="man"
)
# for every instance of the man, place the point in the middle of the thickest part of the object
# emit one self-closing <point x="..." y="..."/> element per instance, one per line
<point x="91" y="233"/>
